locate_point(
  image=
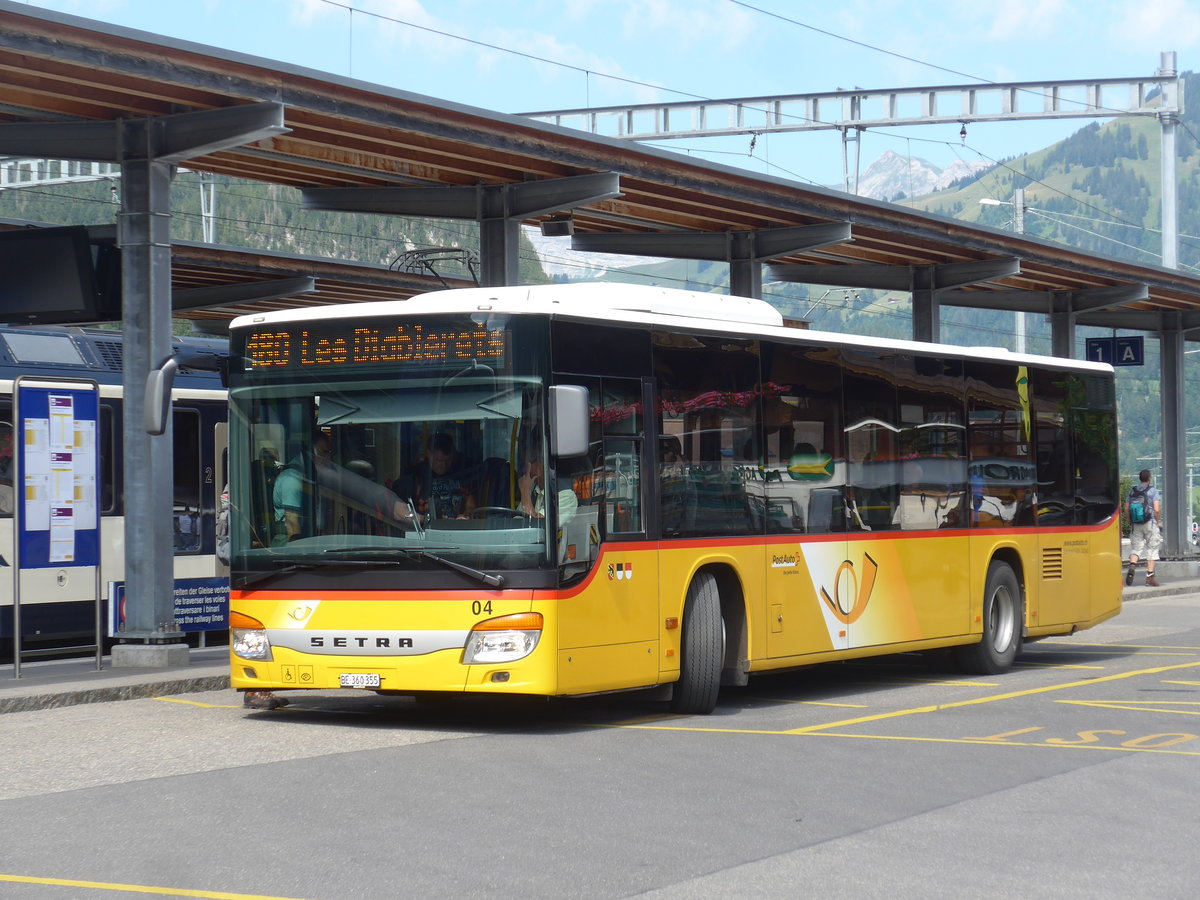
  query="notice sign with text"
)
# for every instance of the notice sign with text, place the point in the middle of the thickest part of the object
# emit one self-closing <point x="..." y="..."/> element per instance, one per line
<point x="57" y="470"/>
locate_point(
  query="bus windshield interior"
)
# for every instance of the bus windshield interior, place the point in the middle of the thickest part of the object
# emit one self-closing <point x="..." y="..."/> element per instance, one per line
<point x="416" y="472"/>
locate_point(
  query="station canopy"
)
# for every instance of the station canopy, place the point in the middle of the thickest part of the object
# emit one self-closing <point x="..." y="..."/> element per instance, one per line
<point x="343" y="134"/>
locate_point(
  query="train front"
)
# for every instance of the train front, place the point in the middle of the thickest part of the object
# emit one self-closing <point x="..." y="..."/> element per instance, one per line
<point x="390" y="528"/>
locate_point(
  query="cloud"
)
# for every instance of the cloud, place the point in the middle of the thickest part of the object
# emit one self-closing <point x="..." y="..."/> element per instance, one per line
<point x="1157" y="24"/>
<point x="688" y="24"/>
<point x="1032" y="20"/>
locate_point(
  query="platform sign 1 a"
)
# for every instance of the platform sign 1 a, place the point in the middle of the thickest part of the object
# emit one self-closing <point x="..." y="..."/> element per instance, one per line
<point x="1117" y="351"/>
<point x="57" y="490"/>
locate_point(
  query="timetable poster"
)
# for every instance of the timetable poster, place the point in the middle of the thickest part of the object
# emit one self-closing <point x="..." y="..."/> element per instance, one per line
<point x="58" y="471"/>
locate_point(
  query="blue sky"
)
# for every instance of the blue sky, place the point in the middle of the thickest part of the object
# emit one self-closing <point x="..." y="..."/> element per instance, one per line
<point x="574" y="53"/>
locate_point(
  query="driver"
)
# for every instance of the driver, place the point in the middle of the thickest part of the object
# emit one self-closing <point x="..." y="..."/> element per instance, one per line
<point x="437" y="485"/>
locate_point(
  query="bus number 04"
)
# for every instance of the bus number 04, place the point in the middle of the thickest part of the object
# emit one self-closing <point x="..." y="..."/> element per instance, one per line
<point x="478" y="608"/>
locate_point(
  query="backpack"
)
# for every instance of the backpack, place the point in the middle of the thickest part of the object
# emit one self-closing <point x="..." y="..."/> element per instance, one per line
<point x="1138" y="508"/>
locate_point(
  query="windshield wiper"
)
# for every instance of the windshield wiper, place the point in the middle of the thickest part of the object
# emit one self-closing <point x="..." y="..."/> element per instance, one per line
<point x="423" y="553"/>
<point x="495" y="581"/>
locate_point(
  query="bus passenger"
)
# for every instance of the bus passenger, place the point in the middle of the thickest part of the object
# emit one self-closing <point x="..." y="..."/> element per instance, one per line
<point x="334" y="484"/>
<point x="288" y="494"/>
<point x="436" y="485"/>
<point x="532" y="486"/>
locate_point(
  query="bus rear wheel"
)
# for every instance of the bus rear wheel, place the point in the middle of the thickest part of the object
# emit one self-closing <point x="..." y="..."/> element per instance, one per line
<point x="1001" y="639"/>
<point x="702" y="649"/>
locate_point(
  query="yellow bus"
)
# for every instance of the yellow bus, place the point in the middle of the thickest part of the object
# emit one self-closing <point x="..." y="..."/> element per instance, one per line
<point x="564" y="490"/>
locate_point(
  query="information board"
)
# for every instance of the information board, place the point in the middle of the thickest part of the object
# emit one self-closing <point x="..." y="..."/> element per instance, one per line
<point x="57" y="483"/>
<point x="201" y="604"/>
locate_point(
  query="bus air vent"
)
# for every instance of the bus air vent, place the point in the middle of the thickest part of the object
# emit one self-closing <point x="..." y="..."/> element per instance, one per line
<point x="1052" y="564"/>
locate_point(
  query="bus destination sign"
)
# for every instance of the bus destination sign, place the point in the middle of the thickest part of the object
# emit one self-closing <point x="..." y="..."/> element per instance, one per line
<point x="404" y="344"/>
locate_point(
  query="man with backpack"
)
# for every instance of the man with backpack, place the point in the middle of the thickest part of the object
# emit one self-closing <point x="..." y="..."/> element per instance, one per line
<point x="1144" y="509"/>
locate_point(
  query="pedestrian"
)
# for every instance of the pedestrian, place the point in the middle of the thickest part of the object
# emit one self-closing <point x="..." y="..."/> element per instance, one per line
<point x="1144" y="508"/>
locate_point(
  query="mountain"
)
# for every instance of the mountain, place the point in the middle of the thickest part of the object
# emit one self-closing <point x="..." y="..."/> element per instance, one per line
<point x="893" y="177"/>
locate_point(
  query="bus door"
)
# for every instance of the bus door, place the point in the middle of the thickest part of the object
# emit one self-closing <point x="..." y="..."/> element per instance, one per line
<point x="608" y="625"/>
<point x="221" y="512"/>
<point x="805" y="497"/>
<point x="808" y="581"/>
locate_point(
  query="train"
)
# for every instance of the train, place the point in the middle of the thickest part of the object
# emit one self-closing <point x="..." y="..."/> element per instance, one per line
<point x="58" y="603"/>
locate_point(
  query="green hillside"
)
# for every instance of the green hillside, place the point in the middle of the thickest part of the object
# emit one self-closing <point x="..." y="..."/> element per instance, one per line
<point x="263" y="217"/>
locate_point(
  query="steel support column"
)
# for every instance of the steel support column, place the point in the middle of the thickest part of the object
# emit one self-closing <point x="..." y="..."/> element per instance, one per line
<point x="148" y="150"/>
<point x="1169" y="121"/>
<point x="1062" y="332"/>
<point x="144" y="235"/>
<point x="1174" y="444"/>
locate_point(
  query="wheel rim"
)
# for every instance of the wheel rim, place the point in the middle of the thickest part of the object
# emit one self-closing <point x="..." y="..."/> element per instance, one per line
<point x="1001" y="618"/>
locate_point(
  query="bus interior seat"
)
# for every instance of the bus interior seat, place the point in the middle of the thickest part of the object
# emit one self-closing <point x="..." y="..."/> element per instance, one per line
<point x="495" y="485"/>
<point x="262" y="502"/>
<point x="826" y="512"/>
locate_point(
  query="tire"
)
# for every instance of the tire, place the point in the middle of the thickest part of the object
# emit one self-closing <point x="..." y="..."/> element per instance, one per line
<point x="1002" y="614"/>
<point x="702" y="649"/>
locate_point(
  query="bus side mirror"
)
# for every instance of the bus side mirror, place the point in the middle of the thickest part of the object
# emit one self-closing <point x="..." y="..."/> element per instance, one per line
<point x="158" y="396"/>
<point x="569" y="424"/>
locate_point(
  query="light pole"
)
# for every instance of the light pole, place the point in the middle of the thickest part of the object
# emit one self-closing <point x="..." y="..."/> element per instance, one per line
<point x="1018" y="205"/>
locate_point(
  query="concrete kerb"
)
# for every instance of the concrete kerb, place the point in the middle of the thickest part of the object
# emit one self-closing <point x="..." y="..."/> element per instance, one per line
<point x="46" y="684"/>
<point x="43" y="698"/>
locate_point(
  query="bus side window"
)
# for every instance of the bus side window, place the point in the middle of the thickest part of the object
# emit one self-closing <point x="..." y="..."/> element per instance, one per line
<point x="804" y="470"/>
<point x="710" y="399"/>
<point x="873" y="471"/>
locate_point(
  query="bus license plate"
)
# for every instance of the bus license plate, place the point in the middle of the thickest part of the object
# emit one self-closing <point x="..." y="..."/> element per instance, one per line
<point x="359" y="680"/>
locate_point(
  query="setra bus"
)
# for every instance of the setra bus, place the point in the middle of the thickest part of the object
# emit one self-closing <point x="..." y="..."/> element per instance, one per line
<point x="58" y="603"/>
<point x="572" y="489"/>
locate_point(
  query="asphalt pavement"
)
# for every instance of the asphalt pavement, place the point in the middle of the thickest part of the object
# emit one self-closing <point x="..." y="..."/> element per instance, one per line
<point x="47" y="684"/>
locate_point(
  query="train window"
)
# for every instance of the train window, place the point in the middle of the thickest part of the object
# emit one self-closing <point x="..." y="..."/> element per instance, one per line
<point x="186" y="424"/>
<point x="108" y="462"/>
<point x="7" y="466"/>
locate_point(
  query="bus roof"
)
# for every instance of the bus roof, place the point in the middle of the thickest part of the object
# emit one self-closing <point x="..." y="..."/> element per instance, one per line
<point x="641" y="304"/>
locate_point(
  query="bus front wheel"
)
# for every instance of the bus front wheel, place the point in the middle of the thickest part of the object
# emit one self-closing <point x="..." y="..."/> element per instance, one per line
<point x="702" y="649"/>
<point x="1001" y="639"/>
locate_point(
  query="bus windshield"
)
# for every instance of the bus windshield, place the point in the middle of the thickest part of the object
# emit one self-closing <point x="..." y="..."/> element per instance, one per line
<point x="370" y="459"/>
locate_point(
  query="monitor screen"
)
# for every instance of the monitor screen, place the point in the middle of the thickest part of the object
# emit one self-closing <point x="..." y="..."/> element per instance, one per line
<point x="47" y="277"/>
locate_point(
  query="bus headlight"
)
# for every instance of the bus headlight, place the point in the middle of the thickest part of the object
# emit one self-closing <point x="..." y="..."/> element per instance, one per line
<point x="248" y="638"/>
<point x="505" y="639"/>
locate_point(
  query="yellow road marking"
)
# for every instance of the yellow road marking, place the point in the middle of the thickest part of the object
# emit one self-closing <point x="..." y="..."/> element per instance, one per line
<point x="1049" y="744"/>
<point x="1191" y="683"/>
<point x="808" y="702"/>
<point x="950" y="682"/>
<point x="1139" y="705"/>
<point x="197" y="703"/>
<point x="825" y="727"/>
<point x="653" y="717"/>
<point x="819" y="703"/>
<point x="1041" y="665"/>
<point x="936" y="740"/>
<point x="1115" y="646"/>
<point x="1029" y="692"/>
<point x="136" y="888"/>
